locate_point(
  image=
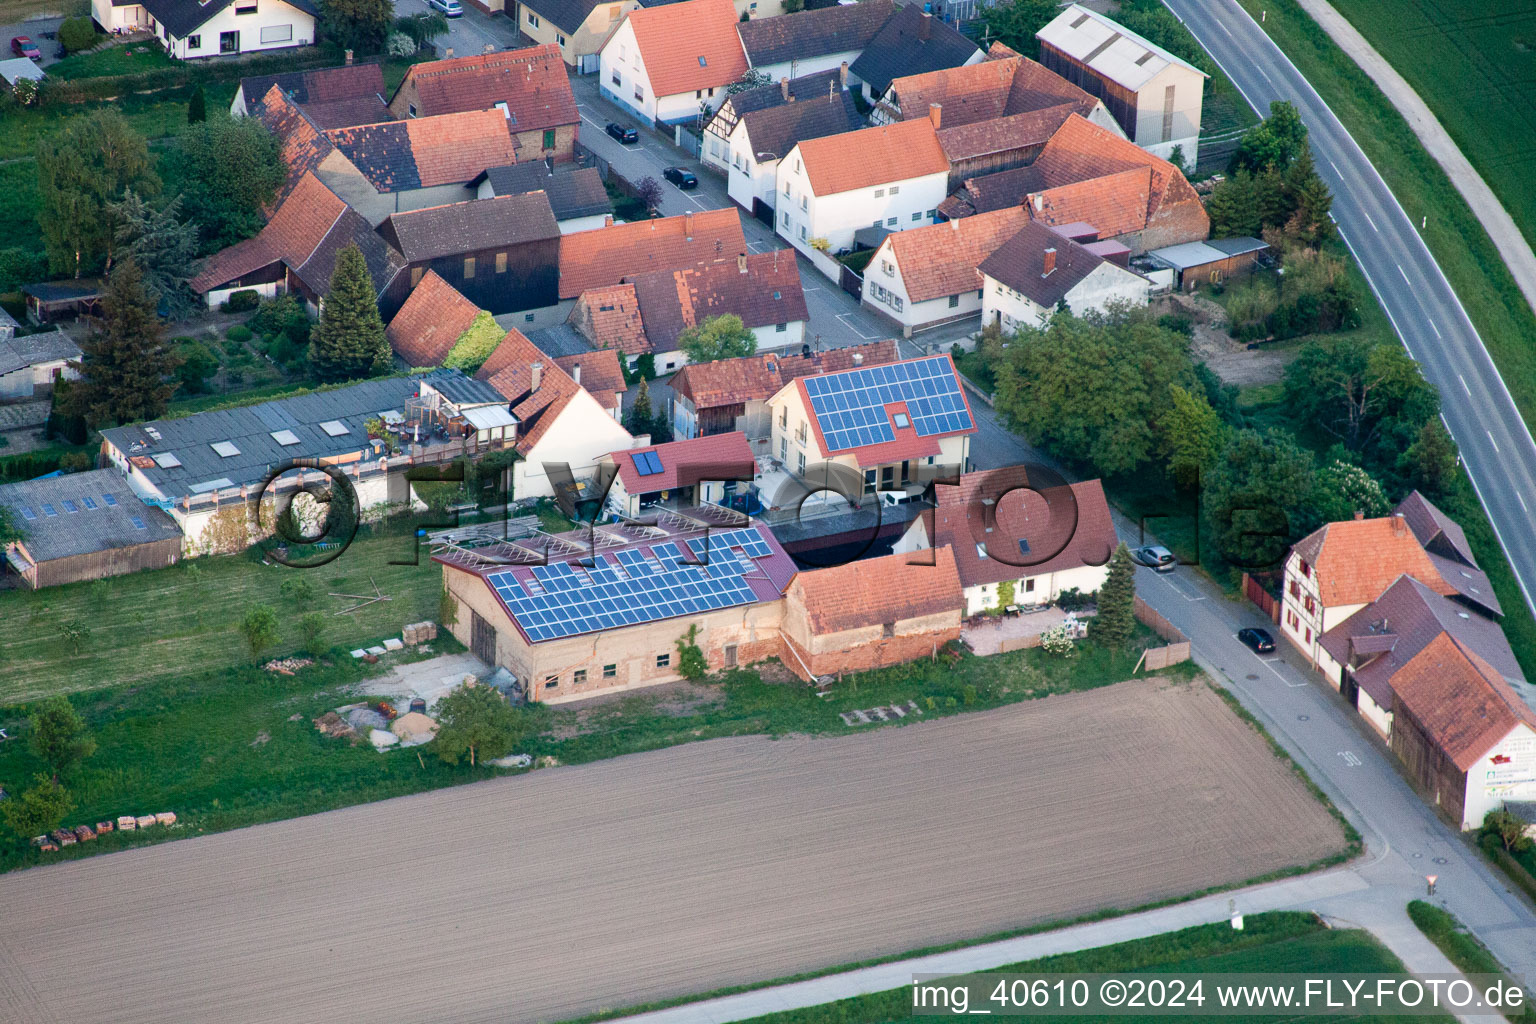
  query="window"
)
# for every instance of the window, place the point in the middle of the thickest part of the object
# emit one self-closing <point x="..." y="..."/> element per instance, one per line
<point x="800" y="434"/>
<point x="533" y="19"/>
<point x="932" y="214"/>
<point x="1168" y="113"/>
<point x="245" y="9"/>
<point x="1295" y="589"/>
<point x="800" y="462"/>
<point x="663" y="660"/>
<point x="879" y="192"/>
<point x="469" y="267"/>
<point x="888" y="629"/>
<point x="804" y="205"/>
<point x="639" y="92"/>
<point x="1029" y="586"/>
<point x="891" y="222"/>
<point x="551" y="682"/>
<point x="1309" y="634"/>
<point x="194" y="42"/>
<point x="110" y="499"/>
<point x="978" y="293"/>
<point x="615" y="78"/>
<point x="901" y="420"/>
<point x="888" y="268"/>
<point x="411" y="109"/>
<point x="785" y="220"/>
<point x="786" y="189"/>
<point x="896" y="302"/>
<point x="275" y="33"/>
<point x="783" y="448"/>
<point x="703" y="62"/>
<point x="528" y="318"/>
<point x="501" y="263"/>
<point x="28" y="514"/>
<point x="802" y="232"/>
<point x="1306" y="570"/>
<point x="917" y="216"/>
<point x="70" y="506"/>
<point x="698" y="94"/>
<point x="560" y="38"/>
<point x="730" y="649"/>
<point x="50" y="511"/>
<point x="610" y="671"/>
<point x="954" y="300"/>
<point x="138" y="524"/>
<point x="579" y="676"/>
<point x="895" y="189"/>
<point x="869" y="481"/>
<point x="229" y="42"/>
<point x="780" y="328"/>
<point x="783" y="417"/>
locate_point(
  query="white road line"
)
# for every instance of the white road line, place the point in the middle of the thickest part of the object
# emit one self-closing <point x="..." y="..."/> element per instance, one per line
<point x="1226" y="30"/>
<point x="1368" y="218"/>
<point x="1492" y="441"/>
<point x="1400" y="270"/>
<point x="1270" y="663"/>
<point x="849" y="324"/>
<point x="1521" y="500"/>
<point x="1266" y="76"/>
<point x="1335" y="168"/>
<point x="1464" y="385"/>
<point x="1432" y="326"/>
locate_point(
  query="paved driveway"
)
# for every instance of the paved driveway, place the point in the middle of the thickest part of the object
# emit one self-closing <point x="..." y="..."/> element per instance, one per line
<point x="471" y="33"/>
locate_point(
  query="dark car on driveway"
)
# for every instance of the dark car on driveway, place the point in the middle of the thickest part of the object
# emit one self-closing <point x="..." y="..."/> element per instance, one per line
<point x="622" y="132"/>
<point x="1155" y="556"/>
<point x="682" y="177"/>
<point x="23" y="46"/>
<point x="1258" y="640"/>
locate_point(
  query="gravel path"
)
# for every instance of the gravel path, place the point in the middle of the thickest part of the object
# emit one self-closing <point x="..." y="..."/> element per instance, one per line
<point x="663" y="874"/>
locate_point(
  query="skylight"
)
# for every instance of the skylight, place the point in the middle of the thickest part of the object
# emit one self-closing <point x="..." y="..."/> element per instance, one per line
<point x="28" y="514"/>
<point x="981" y="549"/>
<point x="49" y="510"/>
<point x="138" y="524"/>
<point x="225" y="449"/>
<point x="110" y="499"/>
<point x="703" y="63"/>
<point x="88" y="501"/>
<point x="285" y="437"/>
<point x="165" y="460"/>
<point x="70" y="506"/>
<point x="901" y="420"/>
<point x="335" y="428"/>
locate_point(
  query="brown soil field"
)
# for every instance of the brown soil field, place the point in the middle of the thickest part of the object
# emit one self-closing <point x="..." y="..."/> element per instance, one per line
<point x="659" y="875"/>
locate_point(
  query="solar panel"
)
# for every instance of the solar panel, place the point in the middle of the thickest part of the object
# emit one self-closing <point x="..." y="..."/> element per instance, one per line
<point x="850" y="406"/>
<point x="646" y="463"/>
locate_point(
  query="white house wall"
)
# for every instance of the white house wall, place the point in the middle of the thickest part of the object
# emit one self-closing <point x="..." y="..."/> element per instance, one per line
<point x="803" y="215"/>
<point x="621" y="71"/>
<point x="580" y="436"/>
<point x="808" y="66"/>
<point x="1106" y="284"/>
<point x="1188" y="87"/>
<point x="271" y="17"/>
<point x="1493" y="780"/>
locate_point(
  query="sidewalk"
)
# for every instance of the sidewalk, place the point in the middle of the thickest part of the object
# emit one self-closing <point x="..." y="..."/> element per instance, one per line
<point x="1506" y="236"/>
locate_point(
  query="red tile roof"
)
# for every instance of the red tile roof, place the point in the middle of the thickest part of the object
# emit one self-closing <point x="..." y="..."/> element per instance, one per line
<point x="332" y="97"/>
<point x="303" y="144"/>
<point x="1355" y="561"/>
<point x="876" y="591"/>
<point x="684" y="463"/>
<point x="606" y="256"/>
<point x="1003" y="134"/>
<point x="513" y="346"/>
<point x="1461" y="701"/>
<point x="536" y="410"/>
<point x="1065" y="526"/>
<point x="1114" y="204"/>
<point x="759" y="377"/>
<point x="689" y="46"/>
<point x="291" y="236"/>
<point x="532" y="83"/>
<point x="599" y="375"/>
<point x="1081" y="150"/>
<point x="992" y="89"/>
<point x="610" y="318"/>
<point x="761" y="288"/>
<point x="424" y="152"/>
<point x="872" y="156"/>
<point x="941" y="259"/>
<point x="430" y="323"/>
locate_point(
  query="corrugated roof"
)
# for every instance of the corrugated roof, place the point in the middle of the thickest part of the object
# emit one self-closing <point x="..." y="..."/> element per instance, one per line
<point x="1109" y="48"/>
<point x="100" y="525"/>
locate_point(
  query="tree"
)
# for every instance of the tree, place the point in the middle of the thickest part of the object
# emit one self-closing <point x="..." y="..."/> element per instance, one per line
<point x="37" y="810"/>
<point x="1192" y="435"/>
<point x="10" y="530"/>
<point x="1092" y="391"/>
<point x="422" y="27"/>
<point x="348" y="341"/>
<point x="228" y="171"/>
<point x="1176" y="157"/>
<point x="648" y="190"/>
<point x="1430" y="462"/>
<point x="195" y="364"/>
<point x="75" y="632"/>
<point x="1115" y="623"/>
<point x="1014" y="24"/>
<point x="1510" y="830"/>
<point x="640" y="415"/>
<point x="125" y="360"/>
<point x="1310" y="200"/>
<point x="755" y="78"/>
<point x="88" y="162"/>
<point x="312" y="628"/>
<point x="357" y="25"/>
<point x="476" y="720"/>
<point x="691" y="664"/>
<point x="718" y="337"/>
<point x="1274" y="142"/>
<point x="1354" y="389"/>
<point x="165" y="248"/>
<point x="76" y="34"/>
<point x="1255" y="497"/>
<point x="259" y="629"/>
<point x="1342" y="490"/>
<point x="297" y="591"/>
<point x="58" y="737"/>
<point x="197" y="106"/>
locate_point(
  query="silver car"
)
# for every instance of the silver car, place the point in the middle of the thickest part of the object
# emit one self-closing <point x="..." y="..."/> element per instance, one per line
<point x="1155" y="556"/>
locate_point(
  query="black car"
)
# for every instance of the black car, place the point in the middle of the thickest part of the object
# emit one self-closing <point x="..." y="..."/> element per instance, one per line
<point x="623" y="133"/>
<point x="1258" y="639"/>
<point x="682" y="177"/>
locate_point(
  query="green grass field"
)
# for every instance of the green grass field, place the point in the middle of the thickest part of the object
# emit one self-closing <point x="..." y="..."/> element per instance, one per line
<point x="114" y="60"/>
<point x="1274" y="942"/>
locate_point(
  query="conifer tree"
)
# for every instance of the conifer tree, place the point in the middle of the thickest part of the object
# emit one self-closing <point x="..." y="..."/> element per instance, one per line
<point x="348" y="341"/>
<point x="165" y="248"/>
<point x="1116" y="620"/>
<point x="124" y="362"/>
<point x="197" y="107"/>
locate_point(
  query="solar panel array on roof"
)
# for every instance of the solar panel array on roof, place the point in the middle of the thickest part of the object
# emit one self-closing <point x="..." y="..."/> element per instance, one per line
<point x="850" y="406"/>
<point x="646" y="463"/>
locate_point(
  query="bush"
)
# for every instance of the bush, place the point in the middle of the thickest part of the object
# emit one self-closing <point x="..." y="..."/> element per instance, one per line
<point x="76" y="34"/>
<point x="1178" y="323"/>
<point x="198" y="363"/>
<point x="283" y="315"/>
<point x="20" y="267"/>
<point x="475" y="345"/>
<point x="239" y="334"/>
<point x="242" y="301"/>
<point x="1072" y="599"/>
<point x="75" y="462"/>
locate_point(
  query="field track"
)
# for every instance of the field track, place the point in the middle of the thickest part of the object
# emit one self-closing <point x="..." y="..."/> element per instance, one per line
<point x="664" y="874"/>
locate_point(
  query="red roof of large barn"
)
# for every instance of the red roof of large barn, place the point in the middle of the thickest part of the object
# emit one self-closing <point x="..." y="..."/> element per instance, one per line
<point x="532" y="83"/>
<point x="875" y="591"/>
<point x="1461" y="701"/>
<point x="606" y="256"/>
<point x="430" y="323"/>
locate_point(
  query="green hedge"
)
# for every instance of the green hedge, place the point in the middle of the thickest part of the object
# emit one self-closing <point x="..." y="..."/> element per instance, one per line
<point x="475" y="345"/>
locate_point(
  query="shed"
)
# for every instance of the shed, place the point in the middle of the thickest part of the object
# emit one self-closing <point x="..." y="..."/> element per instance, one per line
<point x="15" y="69"/>
<point x="1212" y="261"/>
<point x="33" y="362"/>
<point x="62" y="300"/>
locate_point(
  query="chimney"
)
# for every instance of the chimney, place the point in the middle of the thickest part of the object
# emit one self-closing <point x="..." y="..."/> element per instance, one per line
<point x="1359" y="515"/>
<point x="349" y="57"/>
<point x="1039" y="201"/>
<point x="448" y="53"/>
<point x="607" y="220"/>
<point x="954" y="225"/>
<point x="688" y="225"/>
<point x="741" y="263"/>
<point x="576" y="373"/>
<point x="1050" y="262"/>
<point x="549" y="166"/>
<point x="536" y="372"/>
<point x="858" y="359"/>
<point x="832" y="89"/>
<point x="842" y="75"/>
<point x="1399" y="524"/>
<point x="924" y="26"/>
<point x="936" y="114"/>
<point x="784" y="89"/>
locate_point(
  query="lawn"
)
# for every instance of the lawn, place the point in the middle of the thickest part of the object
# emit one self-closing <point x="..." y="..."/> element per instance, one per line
<point x="180" y="622"/>
<point x="114" y="60"/>
<point x="1278" y="942"/>
<point x="1461" y="947"/>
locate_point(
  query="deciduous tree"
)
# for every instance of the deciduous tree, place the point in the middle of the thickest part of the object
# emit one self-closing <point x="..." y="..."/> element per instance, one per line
<point x="10" y="530"/>
<point x="718" y="337"/>
<point x="357" y="25"/>
<point x="259" y="629"/>
<point x="58" y="737"/>
<point x="228" y="170"/>
<point x="1355" y="390"/>
<point x="125" y="361"/>
<point x="1256" y="495"/>
<point x="1014" y="24"/>
<point x="691" y="664"/>
<point x="37" y="810"/>
<point x="1192" y="434"/>
<point x="1430" y="462"/>
<point x="1115" y="623"/>
<point x="477" y="721"/>
<point x="1341" y="490"/>
<point x="348" y="341"/>
<point x="312" y="628"/>
<point x="88" y="163"/>
<point x="1274" y="142"/>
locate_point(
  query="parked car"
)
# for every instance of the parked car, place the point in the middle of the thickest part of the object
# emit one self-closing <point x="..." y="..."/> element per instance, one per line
<point x="23" y="46"/>
<point x="450" y="8"/>
<point x="1155" y="556"/>
<point x="1258" y="640"/>
<point x="623" y="132"/>
<point x="682" y="177"/>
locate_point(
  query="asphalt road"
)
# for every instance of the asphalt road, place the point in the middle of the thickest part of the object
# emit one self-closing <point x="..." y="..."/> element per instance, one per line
<point x="1495" y="443"/>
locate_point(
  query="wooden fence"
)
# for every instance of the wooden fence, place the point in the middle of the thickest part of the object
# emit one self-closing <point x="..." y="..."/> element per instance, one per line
<point x="1254" y="591"/>
<point x="1177" y="648"/>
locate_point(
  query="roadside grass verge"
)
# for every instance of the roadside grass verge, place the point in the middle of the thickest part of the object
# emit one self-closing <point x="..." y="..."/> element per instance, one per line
<point x="1278" y="941"/>
<point x="1461" y="948"/>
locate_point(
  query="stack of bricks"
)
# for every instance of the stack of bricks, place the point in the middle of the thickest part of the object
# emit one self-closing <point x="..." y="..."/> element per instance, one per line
<point x="419" y="632"/>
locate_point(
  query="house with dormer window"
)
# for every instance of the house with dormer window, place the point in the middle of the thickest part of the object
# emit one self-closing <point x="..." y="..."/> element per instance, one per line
<point x="215" y="28"/>
<point x="670" y="64"/>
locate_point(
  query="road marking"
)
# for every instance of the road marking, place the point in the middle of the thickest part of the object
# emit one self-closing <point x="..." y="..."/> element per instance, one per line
<point x="1226" y="30"/>
<point x="1335" y="168"/>
<point x="1180" y="590"/>
<point x="1435" y="329"/>
<point x="1367" y="218"/>
<point x="1464" y="385"/>
<point x="1492" y="441"/>
<point x="1400" y="270"/>
<point x="1271" y="663"/>
<point x="803" y="289"/>
<point x="1350" y="760"/>
<point x="1266" y="77"/>
<point x="1522" y="503"/>
<point x="849" y="324"/>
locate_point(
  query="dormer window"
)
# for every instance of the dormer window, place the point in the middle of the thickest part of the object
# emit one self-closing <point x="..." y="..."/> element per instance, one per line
<point x="703" y="62"/>
<point x="506" y="112"/>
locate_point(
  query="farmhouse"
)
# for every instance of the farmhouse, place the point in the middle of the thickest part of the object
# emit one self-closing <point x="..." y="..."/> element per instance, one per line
<point x="715" y="150"/>
<point x="30" y="364"/>
<point x="911" y="42"/>
<point x="83" y="526"/>
<point x="529" y="88"/>
<point x="679" y="474"/>
<point x="810" y="41"/>
<point x="594" y="259"/>
<point x="732" y="394"/>
<point x="578" y="27"/>
<point x="1014" y="543"/>
<point x="879" y="422"/>
<point x="666" y="64"/>
<point x="892" y="177"/>
<point x="1154" y="95"/>
<point x="576" y="194"/>
<point x="761" y="137"/>
<point x="338" y="97"/>
<point x="600" y="375"/>
<point x="1038" y="270"/>
<point x="930" y="275"/>
<point x="218" y="28"/>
